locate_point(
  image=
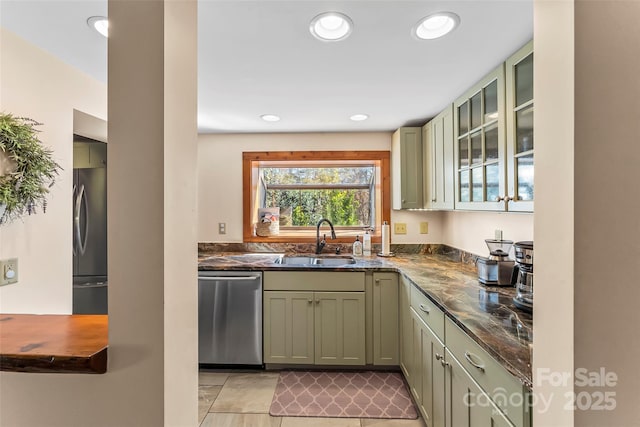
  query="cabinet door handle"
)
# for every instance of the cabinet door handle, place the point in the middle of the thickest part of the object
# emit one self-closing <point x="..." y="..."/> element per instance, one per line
<point x="439" y="356"/>
<point x="508" y="198"/>
<point x="309" y="300"/>
<point x="377" y="281"/>
<point x="425" y="308"/>
<point x="478" y="365"/>
<point x="317" y="301"/>
<point x="499" y="199"/>
<point x="444" y="363"/>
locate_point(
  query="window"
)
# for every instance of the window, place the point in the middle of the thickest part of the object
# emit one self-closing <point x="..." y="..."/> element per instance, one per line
<point x="349" y="188"/>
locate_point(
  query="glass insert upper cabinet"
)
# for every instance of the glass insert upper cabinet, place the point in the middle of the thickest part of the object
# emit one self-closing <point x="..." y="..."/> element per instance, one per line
<point x="519" y="88"/>
<point x="480" y="145"/>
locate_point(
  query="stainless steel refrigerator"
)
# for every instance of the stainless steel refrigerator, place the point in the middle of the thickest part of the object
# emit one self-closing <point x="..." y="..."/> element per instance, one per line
<point x="89" y="227"/>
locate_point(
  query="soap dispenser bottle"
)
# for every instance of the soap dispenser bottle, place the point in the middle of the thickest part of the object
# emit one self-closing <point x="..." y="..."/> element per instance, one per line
<point x="366" y="244"/>
<point x="357" y="247"/>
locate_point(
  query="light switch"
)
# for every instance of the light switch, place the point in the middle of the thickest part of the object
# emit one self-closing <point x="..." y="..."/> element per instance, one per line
<point x="8" y="271"/>
<point x="222" y="228"/>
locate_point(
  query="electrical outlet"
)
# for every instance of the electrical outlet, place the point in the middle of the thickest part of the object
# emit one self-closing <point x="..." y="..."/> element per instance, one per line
<point x="424" y="227"/>
<point x="497" y="234"/>
<point x="8" y="271"/>
<point x="222" y="228"/>
<point x="400" y="228"/>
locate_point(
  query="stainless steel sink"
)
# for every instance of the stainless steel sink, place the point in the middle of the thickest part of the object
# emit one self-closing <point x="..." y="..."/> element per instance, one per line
<point x="335" y="261"/>
<point x="295" y="260"/>
<point x="328" y="260"/>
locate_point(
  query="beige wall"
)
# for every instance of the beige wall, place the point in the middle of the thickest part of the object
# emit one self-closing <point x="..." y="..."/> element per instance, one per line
<point x="468" y="230"/>
<point x="553" y="237"/>
<point x="152" y="373"/>
<point x="35" y="84"/>
<point x="606" y="150"/>
<point x="220" y="179"/>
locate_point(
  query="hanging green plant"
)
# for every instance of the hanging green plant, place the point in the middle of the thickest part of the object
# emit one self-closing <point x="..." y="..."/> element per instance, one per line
<point x="32" y="170"/>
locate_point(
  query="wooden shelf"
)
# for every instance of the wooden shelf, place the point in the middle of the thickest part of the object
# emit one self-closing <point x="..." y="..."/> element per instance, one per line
<point x="53" y="343"/>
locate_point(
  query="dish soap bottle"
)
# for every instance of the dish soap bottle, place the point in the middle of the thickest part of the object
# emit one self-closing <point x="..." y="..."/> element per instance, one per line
<point x="357" y="247"/>
<point x="366" y="244"/>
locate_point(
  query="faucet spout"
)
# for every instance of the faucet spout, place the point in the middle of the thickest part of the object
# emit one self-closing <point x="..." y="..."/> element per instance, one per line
<point x="320" y="244"/>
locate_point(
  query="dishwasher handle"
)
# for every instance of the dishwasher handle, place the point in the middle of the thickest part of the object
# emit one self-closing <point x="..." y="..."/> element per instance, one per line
<point x="230" y="278"/>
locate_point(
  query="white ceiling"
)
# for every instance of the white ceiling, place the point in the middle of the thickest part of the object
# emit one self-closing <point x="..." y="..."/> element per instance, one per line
<point x="258" y="57"/>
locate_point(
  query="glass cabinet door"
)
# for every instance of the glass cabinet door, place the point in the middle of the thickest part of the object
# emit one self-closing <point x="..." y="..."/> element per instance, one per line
<point x="520" y="142"/>
<point x="480" y="145"/>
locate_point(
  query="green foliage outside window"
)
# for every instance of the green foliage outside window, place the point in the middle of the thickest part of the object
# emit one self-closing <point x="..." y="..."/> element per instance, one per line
<point x="309" y="194"/>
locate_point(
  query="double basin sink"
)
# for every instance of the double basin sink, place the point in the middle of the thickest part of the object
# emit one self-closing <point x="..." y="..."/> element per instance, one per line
<point x="326" y="260"/>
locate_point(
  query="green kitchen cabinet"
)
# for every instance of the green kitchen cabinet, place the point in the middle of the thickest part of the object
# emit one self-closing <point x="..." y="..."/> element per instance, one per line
<point x="428" y="385"/>
<point x="520" y="136"/>
<point x="496" y="382"/>
<point x="406" y="331"/>
<point x="314" y="317"/>
<point x="452" y="379"/>
<point x="288" y="327"/>
<point x="406" y="168"/>
<point x="438" y="152"/>
<point x="493" y="128"/>
<point x="339" y="328"/>
<point x="467" y="404"/>
<point x="480" y="149"/>
<point x="385" y="319"/>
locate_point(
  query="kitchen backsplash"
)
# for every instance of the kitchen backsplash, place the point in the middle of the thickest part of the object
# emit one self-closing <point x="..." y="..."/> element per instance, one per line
<point x="427" y="248"/>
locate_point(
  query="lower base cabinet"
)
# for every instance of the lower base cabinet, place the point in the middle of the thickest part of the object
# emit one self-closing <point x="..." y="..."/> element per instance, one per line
<point x="339" y="328"/>
<point x="288" y="327"/>
<point x="385" y="319"/>
<point x="446" y="393"/>
<point x="324" y="328"/>
<point x="428" y="378"/>
<point x="468" y="405"/>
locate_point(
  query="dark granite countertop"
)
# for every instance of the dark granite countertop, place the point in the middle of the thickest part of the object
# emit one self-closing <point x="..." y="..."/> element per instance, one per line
<point x="485" y="313"/>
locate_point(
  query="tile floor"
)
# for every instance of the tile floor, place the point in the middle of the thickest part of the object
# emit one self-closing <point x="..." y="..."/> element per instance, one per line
<point x="242" y="399"/>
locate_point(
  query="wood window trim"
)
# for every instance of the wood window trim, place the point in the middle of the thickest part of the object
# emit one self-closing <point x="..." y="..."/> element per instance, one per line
<point x="249" y="157"/>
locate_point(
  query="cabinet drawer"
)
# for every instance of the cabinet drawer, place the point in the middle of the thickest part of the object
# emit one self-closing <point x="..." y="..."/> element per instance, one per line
<point x="428" y="311"/>
<point x="329" y="281"/>
<point x="506" y="391"/>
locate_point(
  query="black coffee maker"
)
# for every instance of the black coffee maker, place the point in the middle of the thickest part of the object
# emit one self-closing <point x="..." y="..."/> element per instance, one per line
<point x="523" y="275"/>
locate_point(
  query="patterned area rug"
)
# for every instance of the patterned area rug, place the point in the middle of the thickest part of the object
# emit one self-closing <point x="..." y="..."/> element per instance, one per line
<point x="342" y="395"/>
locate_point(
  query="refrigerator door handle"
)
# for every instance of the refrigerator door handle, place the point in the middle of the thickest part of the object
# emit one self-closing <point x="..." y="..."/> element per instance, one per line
<point x="81" y="201"/>
<point x="76" y="217"/>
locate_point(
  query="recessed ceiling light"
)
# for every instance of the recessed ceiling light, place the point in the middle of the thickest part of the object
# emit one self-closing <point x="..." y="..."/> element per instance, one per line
<point x="100" y="24"/>
<point x="436" y="25"/>
<point x="270" y="118"/>
<point x="331" y="26"/>
<point x="359" y="117"/>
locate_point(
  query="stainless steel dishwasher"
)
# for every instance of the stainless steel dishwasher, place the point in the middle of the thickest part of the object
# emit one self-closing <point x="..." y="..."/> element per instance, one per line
<point x="230" y="317"/>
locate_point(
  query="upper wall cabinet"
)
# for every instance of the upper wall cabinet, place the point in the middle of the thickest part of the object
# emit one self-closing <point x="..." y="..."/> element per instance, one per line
<point x="493" y="124"/>
<point x="406" y="169"/>
<point x="438" y="143"/>
<point x="480" y="149"/>
<point x="519" y="83"/>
